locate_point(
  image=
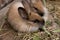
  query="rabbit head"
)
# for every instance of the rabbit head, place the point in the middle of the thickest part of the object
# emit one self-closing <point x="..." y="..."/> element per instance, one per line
<point x="26" y="18"/>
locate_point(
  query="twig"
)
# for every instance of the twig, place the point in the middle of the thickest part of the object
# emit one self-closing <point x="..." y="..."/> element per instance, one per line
<point x="44" y="1"/>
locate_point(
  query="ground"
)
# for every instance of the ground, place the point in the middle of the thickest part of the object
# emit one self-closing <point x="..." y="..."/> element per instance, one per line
<point x="51" y="28"/>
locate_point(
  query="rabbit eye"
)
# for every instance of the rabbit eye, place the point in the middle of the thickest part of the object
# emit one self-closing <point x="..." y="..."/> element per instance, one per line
<point x="38" y="11"/>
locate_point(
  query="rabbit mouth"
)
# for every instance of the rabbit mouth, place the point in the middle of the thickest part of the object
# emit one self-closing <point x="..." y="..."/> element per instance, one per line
<point x="35" y="25"/>
<point x="39" y="24"/>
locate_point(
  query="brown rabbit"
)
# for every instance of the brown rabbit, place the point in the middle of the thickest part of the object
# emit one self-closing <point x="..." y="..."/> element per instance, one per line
<point x="22" y="20"/>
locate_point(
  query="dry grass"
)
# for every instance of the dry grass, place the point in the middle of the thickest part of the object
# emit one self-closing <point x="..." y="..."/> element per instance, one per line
<point x="51" y="29"/>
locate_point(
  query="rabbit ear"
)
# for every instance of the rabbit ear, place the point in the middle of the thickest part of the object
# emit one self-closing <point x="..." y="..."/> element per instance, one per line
<point x="23" y="13"/>
<point x="26" y="5"/>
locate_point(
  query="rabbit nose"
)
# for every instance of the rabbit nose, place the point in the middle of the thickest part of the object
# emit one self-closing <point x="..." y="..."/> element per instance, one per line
<point x="42" y="22"/>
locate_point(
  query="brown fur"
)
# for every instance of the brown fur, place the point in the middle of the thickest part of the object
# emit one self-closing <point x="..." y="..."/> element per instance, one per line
<point x="38" y="4"/>
<point x="24" y="25"/>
